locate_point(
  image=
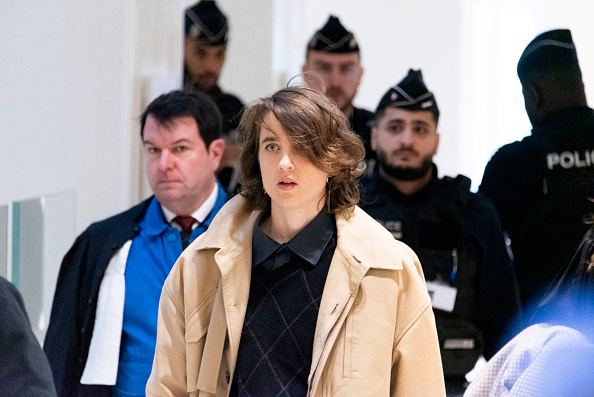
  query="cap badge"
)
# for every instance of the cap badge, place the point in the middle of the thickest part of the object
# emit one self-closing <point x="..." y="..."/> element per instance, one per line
<point x="353" y="43"/>
<point x="194" y="31"/>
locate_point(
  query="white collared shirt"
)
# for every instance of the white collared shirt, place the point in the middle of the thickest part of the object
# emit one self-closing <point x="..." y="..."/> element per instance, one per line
<point x="200" y="214"/>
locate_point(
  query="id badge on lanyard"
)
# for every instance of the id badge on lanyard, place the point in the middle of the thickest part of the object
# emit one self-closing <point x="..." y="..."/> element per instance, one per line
<point x="443" y="295"/>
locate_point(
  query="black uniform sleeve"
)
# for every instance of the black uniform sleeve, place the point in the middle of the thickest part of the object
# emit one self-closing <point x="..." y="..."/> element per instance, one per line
<point x="498" y="299"/>
<point x="24" y="370"/>
<point x="509" y="179"/>
<point x="233" y="110"/>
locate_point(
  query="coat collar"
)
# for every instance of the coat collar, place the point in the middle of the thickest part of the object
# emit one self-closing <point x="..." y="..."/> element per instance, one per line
<point x="353" y="242"/>
<point x="308" y="244"/>
<point x="230" y="234"/>
<point x="232" y="228"/>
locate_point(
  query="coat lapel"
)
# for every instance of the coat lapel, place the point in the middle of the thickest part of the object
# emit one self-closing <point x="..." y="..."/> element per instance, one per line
<point x="234" y="258"/>
<point x="353" y="258"/>
<point x="233" y="241"/>
<point x="341" y="287"/>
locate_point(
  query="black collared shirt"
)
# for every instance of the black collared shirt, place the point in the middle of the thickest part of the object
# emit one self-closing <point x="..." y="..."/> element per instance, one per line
<point x="286" y="288"/>
<point x="308" y="244"/>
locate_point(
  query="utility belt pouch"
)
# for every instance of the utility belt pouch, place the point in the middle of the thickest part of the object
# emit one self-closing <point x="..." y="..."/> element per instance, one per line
<point x="461" y="344"/>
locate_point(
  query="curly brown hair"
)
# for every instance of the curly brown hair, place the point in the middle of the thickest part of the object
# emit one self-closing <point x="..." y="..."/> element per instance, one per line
<point x="318" y="131"/>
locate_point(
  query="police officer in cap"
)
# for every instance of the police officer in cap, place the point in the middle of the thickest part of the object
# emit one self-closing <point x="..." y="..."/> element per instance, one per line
<point x="456" y="234"/>
<point x="540" y="185"/>
<point x="332" y="61"/>
<point x="205" y="49"/>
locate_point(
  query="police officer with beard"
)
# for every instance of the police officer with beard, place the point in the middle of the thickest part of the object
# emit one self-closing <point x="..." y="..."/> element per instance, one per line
<point x="540" y="185"/>
<point x="456" y="234"/>
<point x="205" y="51"/>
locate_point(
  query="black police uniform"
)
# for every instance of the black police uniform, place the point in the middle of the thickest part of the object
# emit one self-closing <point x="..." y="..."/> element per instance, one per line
<point x="361" y="124"/>
<point x="458" y="238"/>
<point x="540" y="187"/>
<point x="230" y="106"/>
<point x="231" y="109"/>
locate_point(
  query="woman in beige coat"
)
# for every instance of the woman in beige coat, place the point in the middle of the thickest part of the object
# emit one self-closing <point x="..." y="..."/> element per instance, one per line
<point x="294" y="290"/>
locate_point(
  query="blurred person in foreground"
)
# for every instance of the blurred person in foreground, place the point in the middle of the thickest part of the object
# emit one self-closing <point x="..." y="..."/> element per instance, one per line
<point x="294" y="290"/>
<point x="555" y="355"/>
<point x="24" y="370"/>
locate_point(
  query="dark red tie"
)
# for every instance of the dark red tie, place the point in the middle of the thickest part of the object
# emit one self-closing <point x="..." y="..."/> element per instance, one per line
<point x="186" y="223"/>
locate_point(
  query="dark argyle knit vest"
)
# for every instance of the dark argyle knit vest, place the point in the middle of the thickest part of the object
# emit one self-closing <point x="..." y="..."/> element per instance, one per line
<point x="275" y="350"/>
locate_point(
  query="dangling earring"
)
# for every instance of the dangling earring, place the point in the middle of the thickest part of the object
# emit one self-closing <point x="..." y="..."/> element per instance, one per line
<point x="327" y="196"/>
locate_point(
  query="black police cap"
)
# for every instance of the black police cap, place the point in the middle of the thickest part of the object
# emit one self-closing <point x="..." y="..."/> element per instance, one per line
<point x="410" y="94"/>
<point x="333" y="38"/>
<point x="548" y="50"/>
<point x="206" y="23"/>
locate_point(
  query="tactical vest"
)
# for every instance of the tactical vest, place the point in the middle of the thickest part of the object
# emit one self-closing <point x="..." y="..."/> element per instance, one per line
<point x="554" y="224"/>
<point x="433" y="227"/>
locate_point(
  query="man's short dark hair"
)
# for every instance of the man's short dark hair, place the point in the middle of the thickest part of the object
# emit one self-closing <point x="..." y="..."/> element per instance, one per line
<point x="186" y="103"/>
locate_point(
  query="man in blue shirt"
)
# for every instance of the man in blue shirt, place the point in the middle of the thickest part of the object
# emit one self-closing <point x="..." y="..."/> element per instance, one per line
<point x="103" y="325"/>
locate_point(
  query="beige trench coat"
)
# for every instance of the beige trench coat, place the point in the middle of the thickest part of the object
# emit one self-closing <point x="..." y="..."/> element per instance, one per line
<point x="375" y="333"/>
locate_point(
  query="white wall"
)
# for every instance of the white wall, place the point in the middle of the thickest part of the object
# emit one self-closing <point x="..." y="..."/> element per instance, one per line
<point x="156" y="69"/>
<point x="493" y="35"/>
<point x="467" y="50"/>
<point x="248" y="69"/>
<point x="393" y="35"/>
<point x="76" y="75"/>
<point x="64" y="98"/>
